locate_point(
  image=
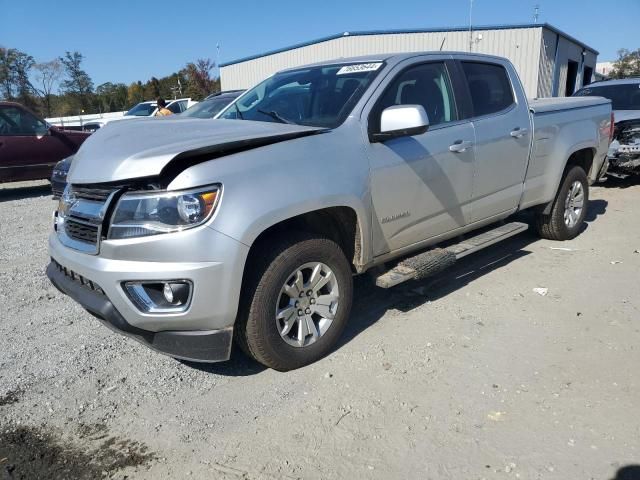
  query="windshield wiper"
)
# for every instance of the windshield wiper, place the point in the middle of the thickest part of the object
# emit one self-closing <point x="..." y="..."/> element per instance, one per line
<point x="276" y="116"/>
<point x="235" y="104"/>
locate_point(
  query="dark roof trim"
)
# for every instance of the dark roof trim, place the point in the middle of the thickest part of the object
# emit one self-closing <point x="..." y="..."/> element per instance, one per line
<point x="412" y="30"/>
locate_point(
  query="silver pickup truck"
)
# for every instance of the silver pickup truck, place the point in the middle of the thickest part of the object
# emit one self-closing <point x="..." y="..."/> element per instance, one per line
<point x="186" y="234"/>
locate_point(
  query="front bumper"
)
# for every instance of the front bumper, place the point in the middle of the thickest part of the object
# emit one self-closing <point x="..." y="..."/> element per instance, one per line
<point x="200" y="346"/>
<point x="203" y="332"/>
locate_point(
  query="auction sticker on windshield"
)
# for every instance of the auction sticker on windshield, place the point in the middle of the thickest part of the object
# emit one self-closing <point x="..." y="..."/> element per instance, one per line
<point x="359" y="67"/>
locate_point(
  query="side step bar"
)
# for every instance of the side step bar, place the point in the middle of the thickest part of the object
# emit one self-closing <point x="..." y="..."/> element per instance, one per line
<point x="436" y="260"/>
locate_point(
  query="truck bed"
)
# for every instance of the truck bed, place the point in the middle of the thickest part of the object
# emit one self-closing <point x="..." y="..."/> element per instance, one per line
<point x="562" y="126"/>
<point x="544" y="105"/>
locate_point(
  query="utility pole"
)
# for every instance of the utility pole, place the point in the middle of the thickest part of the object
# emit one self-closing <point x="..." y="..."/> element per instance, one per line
<point x="536" y="13"/>
<point x="470" y="25"/>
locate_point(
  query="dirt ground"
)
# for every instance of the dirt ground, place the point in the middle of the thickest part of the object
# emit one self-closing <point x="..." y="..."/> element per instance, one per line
<point x="472" y="375"/>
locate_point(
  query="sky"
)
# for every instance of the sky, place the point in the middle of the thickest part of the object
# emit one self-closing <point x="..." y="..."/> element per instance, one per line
<point x="130" y="40"/>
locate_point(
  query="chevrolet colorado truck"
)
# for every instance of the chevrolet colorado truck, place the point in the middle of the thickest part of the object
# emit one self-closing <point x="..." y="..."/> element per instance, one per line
<point x="185" y="234"/>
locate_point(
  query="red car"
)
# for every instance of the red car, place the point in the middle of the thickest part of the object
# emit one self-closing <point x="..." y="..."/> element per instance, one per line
<point x="29" y="147"/>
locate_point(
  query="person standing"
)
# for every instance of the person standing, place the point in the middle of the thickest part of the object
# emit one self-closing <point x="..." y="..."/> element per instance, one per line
<point x="163" y="111"/>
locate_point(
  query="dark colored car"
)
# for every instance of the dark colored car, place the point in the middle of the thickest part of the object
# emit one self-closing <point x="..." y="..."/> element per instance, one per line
<point x="59" y="177"/>
<point x="624" y="151"/>
<point x="212" y="105"/>
<point x="29" y="147"/>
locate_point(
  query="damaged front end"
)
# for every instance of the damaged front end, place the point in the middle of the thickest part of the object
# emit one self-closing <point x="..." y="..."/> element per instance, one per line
<point x="624" y="151"/>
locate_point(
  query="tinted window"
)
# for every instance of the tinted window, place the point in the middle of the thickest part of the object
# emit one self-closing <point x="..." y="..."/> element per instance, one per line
<point x="489" y="86"/>
<point x="208" y="108"/>
<point x="142" y="110"/>
<point x="622" y="96"/>
<point x="320" y="96"/>
<point x="427" y="85"/>
<point x="177" y="107"/>
<point x="15" y="121"/>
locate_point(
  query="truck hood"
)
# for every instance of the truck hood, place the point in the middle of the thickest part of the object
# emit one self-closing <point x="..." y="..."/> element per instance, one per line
<point x="144" y="147"/>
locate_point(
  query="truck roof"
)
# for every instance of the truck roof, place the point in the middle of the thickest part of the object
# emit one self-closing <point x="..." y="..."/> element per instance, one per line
<point x="388" y="57"/>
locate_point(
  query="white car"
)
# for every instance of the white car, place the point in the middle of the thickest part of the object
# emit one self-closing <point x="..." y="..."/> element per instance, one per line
<point x="142" y="109"/>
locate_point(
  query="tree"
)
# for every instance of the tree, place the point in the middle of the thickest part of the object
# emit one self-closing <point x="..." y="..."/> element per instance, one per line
<point x="627" y="65"/>
<point x="15" y="67"/>
<point x="6" y="72"/>
<point x="135" y="93"/>
<point x="111" y="97"/>
<point x="48" y="76"/>
<point x="22" y="65"/>
<point x="78" y="84"/>
<point x="199" y="81"/>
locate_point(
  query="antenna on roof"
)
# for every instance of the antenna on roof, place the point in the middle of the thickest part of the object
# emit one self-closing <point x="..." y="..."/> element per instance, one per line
<point x="470" y="26"/>
<point x="536" y="13"/>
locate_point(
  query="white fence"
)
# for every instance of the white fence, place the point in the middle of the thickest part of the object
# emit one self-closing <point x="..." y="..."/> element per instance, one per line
<point x="80" y="120"/>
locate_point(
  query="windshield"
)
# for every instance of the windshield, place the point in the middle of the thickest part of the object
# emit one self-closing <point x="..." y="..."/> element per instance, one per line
<point x="208" y="108"/>
<point x="316" y="96"/>
<point x="625" y="96"/>
<point x="142" y="110"/>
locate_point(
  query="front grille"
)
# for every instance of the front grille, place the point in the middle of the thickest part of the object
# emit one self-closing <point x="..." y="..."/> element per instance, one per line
<point x="93" y="193"/>
<point x="77" y="278"/>
<point x="81" y="231"/>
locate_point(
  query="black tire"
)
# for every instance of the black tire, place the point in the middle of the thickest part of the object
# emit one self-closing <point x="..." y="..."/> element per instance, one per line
<point x="553" y="226"/>
<point x="271" y="266"/>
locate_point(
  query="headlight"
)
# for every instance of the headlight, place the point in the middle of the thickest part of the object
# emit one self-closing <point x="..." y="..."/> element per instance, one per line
<point x="141" y="214"/>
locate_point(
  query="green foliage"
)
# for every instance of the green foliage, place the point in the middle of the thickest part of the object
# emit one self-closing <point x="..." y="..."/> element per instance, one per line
<point x="627" y="65"/>
<point x="14" y="76"/>
<point x="62" y="87"/>
<point x="78" y="84"/>
<point x="48" y="75"/>
<point x="111" y="97"/>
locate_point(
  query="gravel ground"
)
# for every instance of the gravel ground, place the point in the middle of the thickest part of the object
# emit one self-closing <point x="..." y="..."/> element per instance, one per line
<point x="471" y="375"/>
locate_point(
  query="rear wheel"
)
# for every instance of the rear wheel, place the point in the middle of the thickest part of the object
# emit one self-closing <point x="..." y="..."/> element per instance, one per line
<point x="296" y="301"/>
<point x="569" y="209"/>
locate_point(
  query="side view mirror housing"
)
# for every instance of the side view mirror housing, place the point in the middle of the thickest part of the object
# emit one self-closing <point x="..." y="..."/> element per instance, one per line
<point x="401" y="121"/>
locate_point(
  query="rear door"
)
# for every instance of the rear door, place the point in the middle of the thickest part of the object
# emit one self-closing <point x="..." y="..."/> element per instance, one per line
<point x="501" y="120"/>
<point x="420" y="185"/>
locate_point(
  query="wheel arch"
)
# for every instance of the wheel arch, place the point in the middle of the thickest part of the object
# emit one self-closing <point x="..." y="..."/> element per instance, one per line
<point x="582" y="156"/>
<point x="342" y="224"/>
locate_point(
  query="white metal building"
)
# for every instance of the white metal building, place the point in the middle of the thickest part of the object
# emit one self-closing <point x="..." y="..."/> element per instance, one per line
<point x="550" y="62"/>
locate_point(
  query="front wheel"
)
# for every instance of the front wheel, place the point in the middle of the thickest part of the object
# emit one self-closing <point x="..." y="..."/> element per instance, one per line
<point x="569" y="208"/>
<point x="296" y="301"/>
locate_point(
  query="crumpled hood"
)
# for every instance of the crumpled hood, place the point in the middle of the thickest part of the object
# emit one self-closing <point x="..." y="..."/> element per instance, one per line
<point x="621" y="115"/>
<point x="142" y="148"/>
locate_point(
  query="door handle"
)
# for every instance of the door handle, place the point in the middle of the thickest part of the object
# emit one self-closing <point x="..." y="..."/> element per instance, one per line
<point x="519" y="132"/>
<point x="460" y="146"/>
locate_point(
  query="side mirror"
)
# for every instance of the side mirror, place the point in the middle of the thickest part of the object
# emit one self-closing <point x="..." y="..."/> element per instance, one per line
<point x="401" y="121"/>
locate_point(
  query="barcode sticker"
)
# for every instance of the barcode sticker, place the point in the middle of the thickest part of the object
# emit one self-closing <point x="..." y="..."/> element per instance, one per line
<point x="359" y="67"/>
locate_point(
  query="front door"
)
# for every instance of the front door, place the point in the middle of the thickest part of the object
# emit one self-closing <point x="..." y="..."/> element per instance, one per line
<point x="27" y="148"/>
<point x="421" y="185"/>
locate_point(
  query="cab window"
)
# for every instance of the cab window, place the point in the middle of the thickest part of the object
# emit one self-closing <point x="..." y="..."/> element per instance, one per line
<point x="18" y="122"/>
<point x="426" y="84"/>
<point x="489" y="86"/>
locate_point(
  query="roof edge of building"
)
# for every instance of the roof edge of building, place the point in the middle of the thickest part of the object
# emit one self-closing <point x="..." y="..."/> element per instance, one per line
<point x="362" y="33"/>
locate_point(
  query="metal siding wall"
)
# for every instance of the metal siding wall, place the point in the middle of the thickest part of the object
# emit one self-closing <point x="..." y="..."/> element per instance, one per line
<point x="590" y="60"/>
<point x="547" y="62"/>
<point x="520" y="45"/>
<point x="567" y="50"/>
